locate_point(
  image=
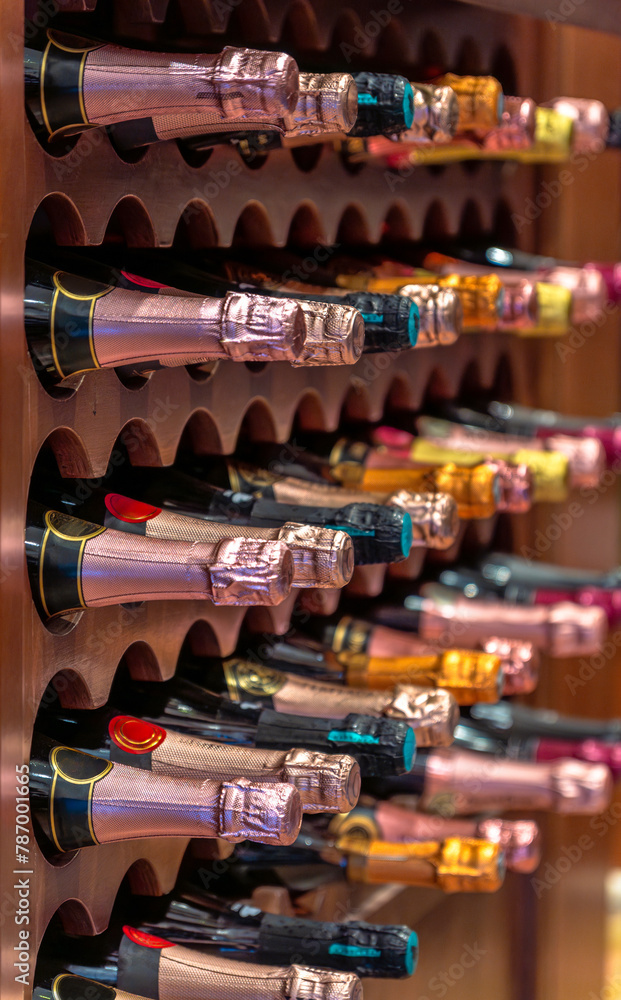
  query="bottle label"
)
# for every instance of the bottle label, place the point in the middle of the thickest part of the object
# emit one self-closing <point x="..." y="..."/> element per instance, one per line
<point x="61" y="88"/>
<point x="71" y="797"/>
<point x="351" y="636"/>
<point x="135" y="737"/>
<point x="71" y="323"/>
<point x="244" y="677"/>
<point x="68" y="987"/>
<point x="60" y="562"/>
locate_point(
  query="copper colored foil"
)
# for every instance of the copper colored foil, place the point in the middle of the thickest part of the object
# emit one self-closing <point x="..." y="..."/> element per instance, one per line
<point x="433" y="713"/>
<point x="131" y="803"/>
<point x="435" y="519"/>
<point x="515" y="484"/>
<point x="327" y="102"/>
<point x="520" y="664"/>
<point x="326" y="782"/>
<point x="519" y="839"/>
<point x="462" y="782"/>
<point x="516" y="129"/>
<point x="119" y="567"/>
<point x="436" y="113"/>
<point x="132" y="327"/>
<point x="561" y="630"/>
<point x="441" y="314"/>
<point x="321" y="557"/>
<point x="234" y="85"/>
<point x="187" y="974"/>
<point x="334" y="334"/>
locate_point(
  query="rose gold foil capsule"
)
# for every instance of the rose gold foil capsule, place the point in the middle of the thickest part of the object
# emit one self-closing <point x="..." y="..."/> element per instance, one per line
<point x="520" y="839"/>
<point x="589" y="293"/>
<point x="520" y="664"/>
<point x="250" y="571"/>
<point x="334" y="334"/>
<point x="433" y="713"/>
<point x="520" y="112"/>
<point x="591" y="122"/>
<point x="586" y="456"/>
<point x="261" y="328"/>
<point x="580" y="788"/>
<point x="266" y="814"/>
<point x="515" y="486"/>
<point x="441" y="313"/>
<point x="321" y="557"/>
<point x="327" y="783"/>
<point x="435" y="518"/>
<point x="519" y="306"/>
<point x="575" y="631"/>
<point x="327" y="102"/>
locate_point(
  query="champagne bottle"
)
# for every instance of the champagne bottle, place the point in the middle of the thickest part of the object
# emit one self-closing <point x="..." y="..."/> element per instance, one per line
<point x="191" y="916"/>
<point x="456" y="864"/>
<point x="432" y="713"/>
<point x="79" y="800"/>
<point x="479" y="490"/>
<point x="72" y="86"/>
<point x="369" y="652"/>
<point x="75" y="325"/>
<point x="456" y="782"/>
<point x="513" y="418"/>
<point x="324" y="781"/>
<point x="64" y="986"/>
<point x="321" y="557"/>
<point x="163" y="970"/>
<point x="183" y="706"/>
<point x="509" y="720"/>
<point x="75" y="564"/>
<point x="393" y="821"/>
<point x="469" y="676"/>
<point x="438" y="614"/>
<point x="379" y="534"/>
<point x="477" y="734"/>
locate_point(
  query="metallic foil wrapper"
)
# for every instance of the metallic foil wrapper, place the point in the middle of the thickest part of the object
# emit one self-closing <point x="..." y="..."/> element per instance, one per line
<point x="481" y="296"/>
<point x="69" y="987"/>
<point x="519" y="306"/>
<point x="321" y="557"/>
<point x="480" y="101"/>
<point x="236" y="85"/>
<point x="326" y="782"/>
<point x="477" y="490"/>
<point x="589" y="293"/>
<point x="327" y="102"/>
<point x="131" y="803"/>
<point x="435" y="517"/>
<point x="119" y="567"/>
<point x="436" y="113"/>
<point x="516" y="486"/>
<point x="132" y="328"/>
<point x="549" y="471"/>
<point x="334" y="334"/>
<point x="561" y="630"/>
<point x="586" y="456"/>
<point x="458" y="864"/>
<point x="554" y="310"/>
<point x="520" y="840"/>
<point x="516" y="129"/>
<point x="469" y="676"/>
<point x="464" y="782"/>
<point x="193" y="975"/>
<point x="591" y="122"/>
<point x="432" y="713"/>
<point x="441" y="313"/>
<point x="520" y="664"/>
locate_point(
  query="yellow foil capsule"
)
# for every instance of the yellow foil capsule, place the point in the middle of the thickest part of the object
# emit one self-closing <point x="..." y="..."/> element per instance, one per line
<point x="469" y="676"/>
<point x="553" y="138"/>
<point x="457" y="864"/>
<point x="480" y="101"/>
<point x="481" y="296"/>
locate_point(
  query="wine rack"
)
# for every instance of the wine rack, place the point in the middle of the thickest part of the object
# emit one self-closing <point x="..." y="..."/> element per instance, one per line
<point x="89" y="194"/>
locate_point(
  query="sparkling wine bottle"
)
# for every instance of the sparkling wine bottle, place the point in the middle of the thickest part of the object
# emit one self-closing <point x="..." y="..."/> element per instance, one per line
<point x="393" y="821"/>
<point x="431" y="712"/>
<point x="469" y="676"/>
<point x="373" y="650"/>
<point x="321" y="557"/>
<point x="79" y="800"/>
<point x="324" y="781"/>
<point x="72" y="86"/>
<point x="75" y="564"/>
<point x="163" y="970"/>
<point x="65" y="986"/>
<point x="191" y="916"/>
<point x="456" y="782"/>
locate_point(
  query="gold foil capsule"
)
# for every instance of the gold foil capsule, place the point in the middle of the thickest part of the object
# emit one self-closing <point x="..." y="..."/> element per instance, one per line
<point x="480" y="101"/>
